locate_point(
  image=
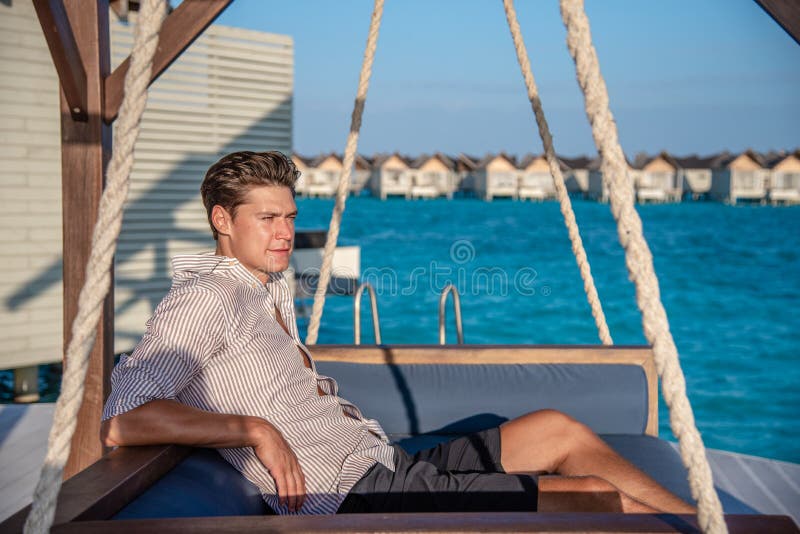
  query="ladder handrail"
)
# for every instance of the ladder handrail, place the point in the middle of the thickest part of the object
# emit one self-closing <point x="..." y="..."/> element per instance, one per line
<point x="450" y="288"/>
<point x="376" y="323"/>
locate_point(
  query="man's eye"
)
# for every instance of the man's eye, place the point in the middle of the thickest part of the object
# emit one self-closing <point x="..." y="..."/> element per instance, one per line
<point x="266" y="218"/>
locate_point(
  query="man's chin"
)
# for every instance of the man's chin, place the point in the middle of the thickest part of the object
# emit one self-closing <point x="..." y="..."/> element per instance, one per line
<point x="275" y="267"/>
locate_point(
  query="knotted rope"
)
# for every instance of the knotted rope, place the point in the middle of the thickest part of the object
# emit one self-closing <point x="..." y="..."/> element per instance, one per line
<point x="344" y="179"/>
<point x="558" y="179"/>
<point x="98" y="278"/>
<point x="640" y="265"/>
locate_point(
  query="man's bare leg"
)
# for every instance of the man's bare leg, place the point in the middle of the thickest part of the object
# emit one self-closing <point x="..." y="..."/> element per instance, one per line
<point x="552" y="442"/>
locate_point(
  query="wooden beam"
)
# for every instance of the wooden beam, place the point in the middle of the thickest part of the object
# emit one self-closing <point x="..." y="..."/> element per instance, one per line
<point x="431" y="522"/>
<point x="786" y="13"/>
<point x="89" y="499"/>
<point x="104" y="488"/>
<point x="66" y="56"/>
<point x="553" y="498"/>
<point x="179" y="30"/>
<point x="482" y="354"/>
<point x="85" y="152"/>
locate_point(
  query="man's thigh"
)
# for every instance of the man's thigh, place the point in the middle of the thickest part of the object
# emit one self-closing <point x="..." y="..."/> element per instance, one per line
<point x="475" y="452"/>
<point x="417" y="485"/>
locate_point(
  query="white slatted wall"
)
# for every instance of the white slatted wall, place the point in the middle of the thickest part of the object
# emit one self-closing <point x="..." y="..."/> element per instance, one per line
<point x="231" y="90"/>
<point x="30" y="193"/>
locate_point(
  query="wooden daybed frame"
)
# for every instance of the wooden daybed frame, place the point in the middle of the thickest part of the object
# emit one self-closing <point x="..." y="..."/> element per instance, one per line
<point x="90" y="498"/>
<point x="98" y="485"/>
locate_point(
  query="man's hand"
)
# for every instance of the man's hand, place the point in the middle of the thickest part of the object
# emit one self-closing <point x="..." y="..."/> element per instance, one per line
<point x="281" y="462"/>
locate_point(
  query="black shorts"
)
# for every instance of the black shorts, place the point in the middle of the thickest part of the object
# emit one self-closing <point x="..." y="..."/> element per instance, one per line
<point x="463" y="475"/>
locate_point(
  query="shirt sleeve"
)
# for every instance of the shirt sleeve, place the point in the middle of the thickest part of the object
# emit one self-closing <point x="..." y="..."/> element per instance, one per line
<point x="185" y="331"/>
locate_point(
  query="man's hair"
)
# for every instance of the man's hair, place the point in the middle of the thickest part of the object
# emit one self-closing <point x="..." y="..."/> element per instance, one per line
<point x="229" y="180"/>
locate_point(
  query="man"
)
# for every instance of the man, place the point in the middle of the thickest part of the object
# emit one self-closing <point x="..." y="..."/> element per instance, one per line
<point x="221" y="365"/>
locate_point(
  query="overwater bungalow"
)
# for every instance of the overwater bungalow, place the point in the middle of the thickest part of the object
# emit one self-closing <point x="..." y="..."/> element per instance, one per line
<point x="596" y="188"/>
<point x="784" y="177"/>
<point x="359" y="178"/>
<point x="496" y="175"/>
<point x="391" y="175"/>
<point x="303" y="164"/>
<point x="576" y="174"/>
<point x="321" y="179"/>
<point x="465" y="171"/>
<point x="434" y="175"/>
<point x="655" y="179"/>
<point x="739" y="177"/>
<point x="326" y="172"/>
<point x="694" y="173"/>
<point x="535" y="180"/>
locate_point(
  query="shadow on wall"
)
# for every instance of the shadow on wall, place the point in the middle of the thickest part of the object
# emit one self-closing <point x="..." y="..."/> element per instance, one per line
<point x="131" y="243"/>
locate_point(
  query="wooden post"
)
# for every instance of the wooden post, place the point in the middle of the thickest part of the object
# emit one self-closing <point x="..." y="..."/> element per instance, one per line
<point x="26" y="384"/>
<point x="77" y="33"/>
<point x="85" y="152"/>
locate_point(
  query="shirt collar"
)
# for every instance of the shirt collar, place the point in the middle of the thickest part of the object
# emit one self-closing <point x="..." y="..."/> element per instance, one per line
<point x="209" y="262"/>
<point x="276" y="289"/>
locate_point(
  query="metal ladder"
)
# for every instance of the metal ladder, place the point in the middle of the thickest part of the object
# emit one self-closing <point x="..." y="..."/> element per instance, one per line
<point x="376" y="323"/>
<point x="450" y="288"/>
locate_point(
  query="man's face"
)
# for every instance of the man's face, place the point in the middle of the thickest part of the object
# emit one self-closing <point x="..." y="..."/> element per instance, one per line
<point x="261" y="235"/>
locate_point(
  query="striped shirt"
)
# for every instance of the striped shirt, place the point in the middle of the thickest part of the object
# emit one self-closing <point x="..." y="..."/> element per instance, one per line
<point x="214" y="343"/>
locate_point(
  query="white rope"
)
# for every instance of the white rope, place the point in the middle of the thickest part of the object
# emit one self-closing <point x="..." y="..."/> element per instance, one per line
<point x="640" y="266"/>
<point x="558" y="179"/>
<point x="344" y="179"/>
<point x="98" y="278"/>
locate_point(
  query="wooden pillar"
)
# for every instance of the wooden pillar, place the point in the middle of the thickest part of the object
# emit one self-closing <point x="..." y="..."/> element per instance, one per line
<point x="77" y="33"/>
<point x="85" y="152"/>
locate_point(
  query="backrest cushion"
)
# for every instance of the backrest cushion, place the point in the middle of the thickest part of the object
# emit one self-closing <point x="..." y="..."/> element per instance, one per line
<point x="409" y="399"/>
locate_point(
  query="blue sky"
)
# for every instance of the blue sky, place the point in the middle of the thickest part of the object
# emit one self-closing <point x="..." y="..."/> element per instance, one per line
<point x="683" y="76"/>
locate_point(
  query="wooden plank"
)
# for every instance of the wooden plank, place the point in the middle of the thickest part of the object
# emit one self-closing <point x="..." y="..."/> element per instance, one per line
<point x="105" y="487"/>
<point x="786" y="14"/>
<point x="650" y="371"/>
<point x="431" y="522"/>
<point x="66" y="56"/>
<point x="86" y="149"/>
<point x="179" y="30"/>
<point x="481" y="354"/>
<point x="552" y="498"/>
<point x="503" y="354"/>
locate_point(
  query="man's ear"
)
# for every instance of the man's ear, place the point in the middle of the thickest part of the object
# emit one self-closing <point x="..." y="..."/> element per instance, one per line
<point x="221" y="219"/>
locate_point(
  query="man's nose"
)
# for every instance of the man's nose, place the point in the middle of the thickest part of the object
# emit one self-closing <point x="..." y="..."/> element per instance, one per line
<point x="283" y="229"/>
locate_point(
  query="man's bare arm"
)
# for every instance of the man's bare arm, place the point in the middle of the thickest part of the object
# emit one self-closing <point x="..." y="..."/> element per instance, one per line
<point x="161" y="422"/>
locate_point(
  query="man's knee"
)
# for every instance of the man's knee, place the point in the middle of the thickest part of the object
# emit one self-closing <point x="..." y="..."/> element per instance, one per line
<point x="565" y="426"/>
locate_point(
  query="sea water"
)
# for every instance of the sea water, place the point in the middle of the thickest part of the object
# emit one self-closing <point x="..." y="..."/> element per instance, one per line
<point x="729" y="278"/>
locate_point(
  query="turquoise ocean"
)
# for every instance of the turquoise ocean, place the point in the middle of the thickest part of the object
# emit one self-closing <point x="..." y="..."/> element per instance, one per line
<point x="729" y="279"/>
